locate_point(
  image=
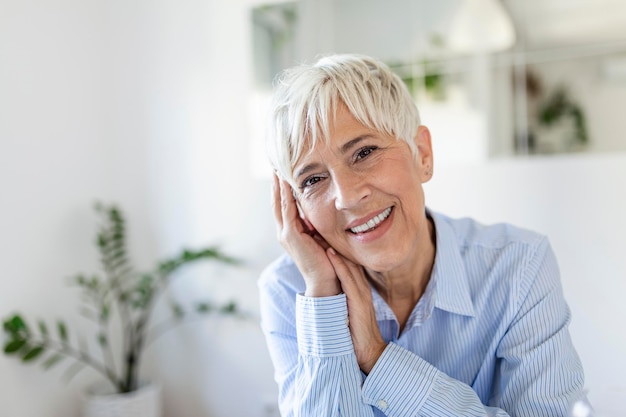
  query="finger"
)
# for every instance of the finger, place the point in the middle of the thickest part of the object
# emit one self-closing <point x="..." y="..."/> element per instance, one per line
<point x="276" y="201"/>
<point x="320" y="240"/>
<point x="350" y="274"/>
<point x="308" y="227"/>
<point x="289" y="209"/>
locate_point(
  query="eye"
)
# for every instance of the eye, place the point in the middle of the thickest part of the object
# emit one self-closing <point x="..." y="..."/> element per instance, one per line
<point x="310" y="181"/>
<point x="364" y="152"/>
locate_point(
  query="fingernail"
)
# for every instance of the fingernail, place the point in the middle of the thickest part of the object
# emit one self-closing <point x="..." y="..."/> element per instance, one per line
<point x="331" y="250"/>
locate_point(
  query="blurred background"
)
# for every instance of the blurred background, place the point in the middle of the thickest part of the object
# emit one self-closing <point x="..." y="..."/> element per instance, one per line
<point x="158" y="106"/>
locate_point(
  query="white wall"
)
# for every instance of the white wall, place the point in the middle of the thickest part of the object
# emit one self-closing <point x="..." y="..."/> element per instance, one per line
<point x="55" y="158"/>
<point x="141" y="103"/>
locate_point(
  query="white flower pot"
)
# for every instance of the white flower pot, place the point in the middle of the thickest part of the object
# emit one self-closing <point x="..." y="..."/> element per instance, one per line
<point x="103" y="402"/>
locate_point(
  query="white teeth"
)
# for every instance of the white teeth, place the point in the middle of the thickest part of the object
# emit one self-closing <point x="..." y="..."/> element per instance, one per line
<point x="371" y="223"/>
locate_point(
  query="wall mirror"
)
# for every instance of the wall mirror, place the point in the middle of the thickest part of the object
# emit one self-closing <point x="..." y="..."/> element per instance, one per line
<point x="492" y="78"/>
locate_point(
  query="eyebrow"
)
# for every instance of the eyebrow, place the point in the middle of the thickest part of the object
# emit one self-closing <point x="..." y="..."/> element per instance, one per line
<point x="352" y="143"/>
<point x="306" y="169"/>
<point x="344" y="148"/>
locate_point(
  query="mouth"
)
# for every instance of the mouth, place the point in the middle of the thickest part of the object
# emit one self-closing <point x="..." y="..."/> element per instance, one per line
<point x="372" y="223"/>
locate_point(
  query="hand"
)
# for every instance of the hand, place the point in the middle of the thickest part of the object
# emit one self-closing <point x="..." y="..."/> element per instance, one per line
<point x="305" y="246"/>
<point x="366" y="338"/>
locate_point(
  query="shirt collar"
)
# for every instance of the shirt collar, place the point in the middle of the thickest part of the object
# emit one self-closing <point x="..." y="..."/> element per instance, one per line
<point x="452" y="288"/>
<point x="448" y="287"/>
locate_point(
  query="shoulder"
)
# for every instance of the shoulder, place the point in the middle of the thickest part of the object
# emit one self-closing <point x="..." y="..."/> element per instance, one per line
<point x="469" y="233"/>
<point x="494" y="256"/>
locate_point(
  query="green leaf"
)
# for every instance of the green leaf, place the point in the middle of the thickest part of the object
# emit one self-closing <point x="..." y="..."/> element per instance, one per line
<point x="94" y="283"/>
<point x="43" y="328"/>
<point x="104" y="313"/>
<point x="102" y="339"/>
<point x="188" y="256"/>
<point x="80" y="279"/>
<point x="204" y="307"/>
<point x="115" y="214"/>
<point x="14" y="345"/>
<point x="33" y="354"/>
<point x="229" y="308"/>
<point x="117" y="254"/>
<point x="15" y="325"/>
<point x="178" y="311"/>
<point x="51" y="361"/>
<point x="62" y="331"/>
<point x="73" y="370"/>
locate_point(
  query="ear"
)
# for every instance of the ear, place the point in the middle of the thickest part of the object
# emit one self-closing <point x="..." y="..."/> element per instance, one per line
<point x="425" y="161"/>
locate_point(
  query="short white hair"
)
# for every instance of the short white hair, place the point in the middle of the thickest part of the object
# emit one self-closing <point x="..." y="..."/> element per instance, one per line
<point x="306" y="98"/>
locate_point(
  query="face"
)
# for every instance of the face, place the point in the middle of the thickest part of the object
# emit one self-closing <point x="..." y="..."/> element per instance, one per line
<point x="363" y="194"/>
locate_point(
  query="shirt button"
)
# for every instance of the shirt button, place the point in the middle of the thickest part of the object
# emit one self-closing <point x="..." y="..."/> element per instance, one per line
<point x="382" y="404"/>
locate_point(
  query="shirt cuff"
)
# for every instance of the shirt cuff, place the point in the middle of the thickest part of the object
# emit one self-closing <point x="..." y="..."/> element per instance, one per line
<point x="322" y="326"/>
<point x="400" y="382"/>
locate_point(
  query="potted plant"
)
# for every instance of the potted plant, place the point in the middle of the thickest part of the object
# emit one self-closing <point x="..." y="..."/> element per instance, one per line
<point x="118" y="290"/>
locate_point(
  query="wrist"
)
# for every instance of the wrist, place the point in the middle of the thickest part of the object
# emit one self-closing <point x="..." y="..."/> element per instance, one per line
<point x="367" y="365"/>
<point x="327" y="289"/>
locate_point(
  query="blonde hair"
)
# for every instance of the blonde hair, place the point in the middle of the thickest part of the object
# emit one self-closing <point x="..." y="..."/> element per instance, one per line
<point x="306" y="98"/>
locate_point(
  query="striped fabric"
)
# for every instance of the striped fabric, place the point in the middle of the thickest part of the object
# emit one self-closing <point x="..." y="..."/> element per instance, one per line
<point x="488" y="337"/>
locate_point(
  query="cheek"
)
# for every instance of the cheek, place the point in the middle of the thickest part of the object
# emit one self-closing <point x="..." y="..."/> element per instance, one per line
<point x="312" y="212"/>
<point x="321" y="216"/>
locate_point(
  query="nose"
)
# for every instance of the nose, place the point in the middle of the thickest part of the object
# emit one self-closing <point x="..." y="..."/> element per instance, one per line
<point x="350" y="188"/>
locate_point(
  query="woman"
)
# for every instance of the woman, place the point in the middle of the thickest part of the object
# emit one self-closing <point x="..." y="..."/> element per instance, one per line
<point x="381" y="306"/>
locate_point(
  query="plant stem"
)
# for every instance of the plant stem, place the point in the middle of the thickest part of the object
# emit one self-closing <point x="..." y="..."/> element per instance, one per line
<point x="136" y="345"/>
<point x="130" y="381"/>
<point x="99" y="297"/>
<point x="128" y="334"/>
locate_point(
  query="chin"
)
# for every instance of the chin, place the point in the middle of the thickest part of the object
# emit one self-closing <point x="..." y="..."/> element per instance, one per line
<point x="382" y="265"/>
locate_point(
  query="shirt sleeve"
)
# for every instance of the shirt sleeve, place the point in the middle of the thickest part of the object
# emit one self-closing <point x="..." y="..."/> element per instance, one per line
<point x="314" y="361"/>
<point x="403" y="384"/>
<point x="328" y="379"/>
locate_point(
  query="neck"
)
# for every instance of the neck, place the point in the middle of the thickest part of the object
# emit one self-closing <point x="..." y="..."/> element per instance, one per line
<point x="402" y="288"/>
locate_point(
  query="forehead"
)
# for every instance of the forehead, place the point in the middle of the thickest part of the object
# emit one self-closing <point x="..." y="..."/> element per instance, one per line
<point x="343" y="127"/>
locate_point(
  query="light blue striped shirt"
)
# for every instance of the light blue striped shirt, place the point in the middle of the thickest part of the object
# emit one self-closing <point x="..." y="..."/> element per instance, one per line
<point x="488" y="337"/>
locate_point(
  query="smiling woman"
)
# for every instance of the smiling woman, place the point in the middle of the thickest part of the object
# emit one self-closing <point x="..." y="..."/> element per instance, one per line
<point x="381" y="306"/>
<point x="360" y="190"/>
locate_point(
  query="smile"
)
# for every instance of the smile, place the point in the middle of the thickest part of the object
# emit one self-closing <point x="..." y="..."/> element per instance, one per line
<point x="372" y="223"/>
